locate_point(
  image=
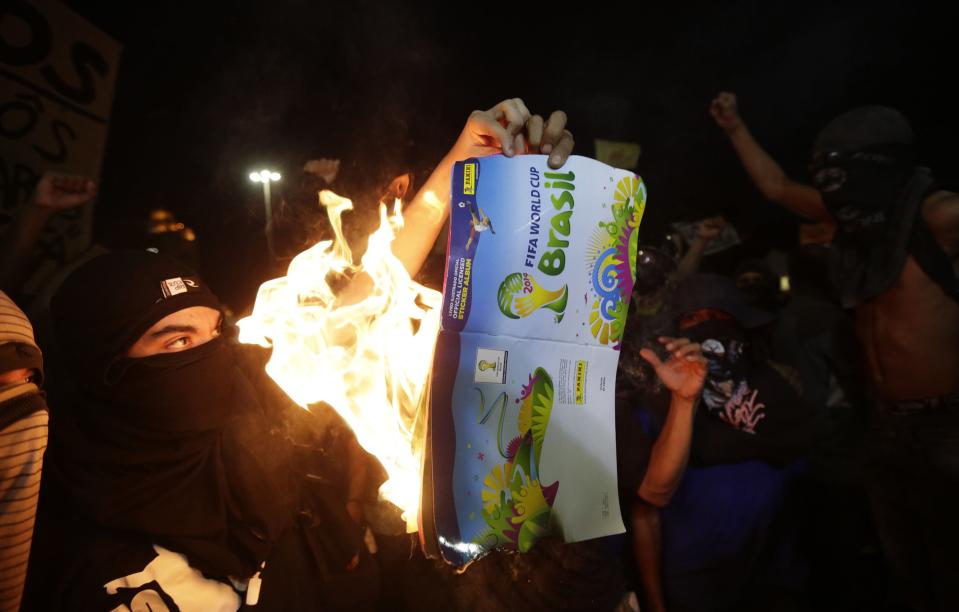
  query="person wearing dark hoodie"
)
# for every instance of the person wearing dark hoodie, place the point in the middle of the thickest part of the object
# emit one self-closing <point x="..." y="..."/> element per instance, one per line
<point x="178" y="472"/>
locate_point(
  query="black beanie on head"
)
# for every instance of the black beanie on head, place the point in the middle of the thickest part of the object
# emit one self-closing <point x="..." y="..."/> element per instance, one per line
<point x="106" y="304"/>
<point x="864" y="127"/>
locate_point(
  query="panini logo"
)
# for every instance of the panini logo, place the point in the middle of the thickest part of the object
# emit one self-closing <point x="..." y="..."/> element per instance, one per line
<point x="580" y="382"/>
<point x="469" y="179"/>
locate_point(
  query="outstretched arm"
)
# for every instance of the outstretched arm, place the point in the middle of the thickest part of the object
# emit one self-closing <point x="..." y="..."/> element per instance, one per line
<point x="683" y="374"/>
<point x="766" y="174"/>
<point x="507" y="128"/>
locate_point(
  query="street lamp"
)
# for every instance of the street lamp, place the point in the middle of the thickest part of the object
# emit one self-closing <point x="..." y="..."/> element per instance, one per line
<point x="266" y="177"/>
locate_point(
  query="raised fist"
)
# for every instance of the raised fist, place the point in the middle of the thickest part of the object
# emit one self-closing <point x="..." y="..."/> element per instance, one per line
<point x="724" y="110"/>
<point x="56" y="192"/>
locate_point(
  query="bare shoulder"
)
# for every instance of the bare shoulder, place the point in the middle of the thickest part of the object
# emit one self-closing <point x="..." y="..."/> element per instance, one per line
<point x="941" y="212"/>
<point x="940" y="206"/>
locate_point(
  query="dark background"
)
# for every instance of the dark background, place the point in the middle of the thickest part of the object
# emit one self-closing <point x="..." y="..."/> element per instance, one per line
<point x="206" y="94"/>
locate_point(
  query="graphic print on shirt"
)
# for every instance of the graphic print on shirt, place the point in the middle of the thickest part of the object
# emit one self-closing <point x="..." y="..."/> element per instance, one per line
<point x="169" y="584"/>
<point x="726" y="393"/>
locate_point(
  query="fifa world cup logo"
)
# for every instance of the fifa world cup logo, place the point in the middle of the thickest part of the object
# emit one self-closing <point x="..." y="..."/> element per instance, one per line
<point x="520" y="296"/>
<point x="486" y="365"/>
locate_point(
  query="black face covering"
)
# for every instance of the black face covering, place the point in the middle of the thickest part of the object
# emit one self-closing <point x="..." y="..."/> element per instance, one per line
<point x="187" y="391"/>
<point x="174" y="448"/>
<point x="864" y="168"/>
<point x="227" y="478"/>
<point x="860" y="189"/>
<point x="197" y="451"/>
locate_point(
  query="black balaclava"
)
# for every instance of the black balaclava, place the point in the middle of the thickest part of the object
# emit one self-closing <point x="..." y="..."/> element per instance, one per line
<point x="170" y="446"/>
<point x="864" y="166"/>
<point x="762" y="292"/>
<point x="861" y="161"/>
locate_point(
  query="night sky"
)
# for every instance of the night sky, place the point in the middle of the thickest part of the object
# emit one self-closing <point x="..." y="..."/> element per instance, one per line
<point x="207" y="94"/>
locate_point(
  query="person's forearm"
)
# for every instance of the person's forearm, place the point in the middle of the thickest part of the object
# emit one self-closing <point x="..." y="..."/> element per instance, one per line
<point x="689" y="264"/>
<point x="18" y="244"/>
<point x="771" y="180"/>
<point x="647" y="549"/>
<point x="425" y="217"/>
<point x="765" y="173"/>
<point x="669" y="454"/>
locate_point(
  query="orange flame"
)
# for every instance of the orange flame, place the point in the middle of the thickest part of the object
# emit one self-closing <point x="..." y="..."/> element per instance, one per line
<point x="367" y="356"/>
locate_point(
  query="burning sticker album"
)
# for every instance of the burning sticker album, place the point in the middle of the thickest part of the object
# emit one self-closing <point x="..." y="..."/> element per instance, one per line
<point x="521" y="435"/>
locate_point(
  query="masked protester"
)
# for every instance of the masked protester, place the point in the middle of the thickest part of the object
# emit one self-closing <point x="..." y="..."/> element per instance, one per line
<point x="710" y="547"/>
<point x="23" y="437"/>
<point x="654" y="271"/>
<point x="864" y="168"/>
<point x="894" y="260"/>
<point x="750" y="410"/>
<point x="758" y="284"/>
<point x="180" y="476"/>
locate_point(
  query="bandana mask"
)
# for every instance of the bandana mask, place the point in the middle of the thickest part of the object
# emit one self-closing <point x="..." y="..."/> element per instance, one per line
<point x="724" y="343"/>
<point x="186" y="391"/>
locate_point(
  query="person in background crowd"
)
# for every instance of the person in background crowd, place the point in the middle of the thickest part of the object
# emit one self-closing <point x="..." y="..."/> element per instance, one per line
<point x="172" y="237"/>
<point x="816" y="338"/>
<point x="655" y="274"/>
<point x="324" y="168"/>
<point x="759" y="284"/>
<point x="23" y="438"/>
<point x="722" y="541"/>
<point x="660" y="267"/>
<point x="53" y="193"/>
<point x="651" y="471"/>
<point x="895" y="262"/>
<point x="707" y="230"/>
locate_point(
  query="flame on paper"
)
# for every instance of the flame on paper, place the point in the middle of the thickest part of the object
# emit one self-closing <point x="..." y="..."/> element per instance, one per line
<point x="367" y="356"/>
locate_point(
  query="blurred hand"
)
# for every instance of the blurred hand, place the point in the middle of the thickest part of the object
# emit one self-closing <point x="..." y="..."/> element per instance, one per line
<point x="326" y="169"/>
<point x="684" y="372"/>
<point x="510" y="128"/>
<point x="710" y="228"/>
<point x="726" y="112"/>
<point x="55" y="192"/>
